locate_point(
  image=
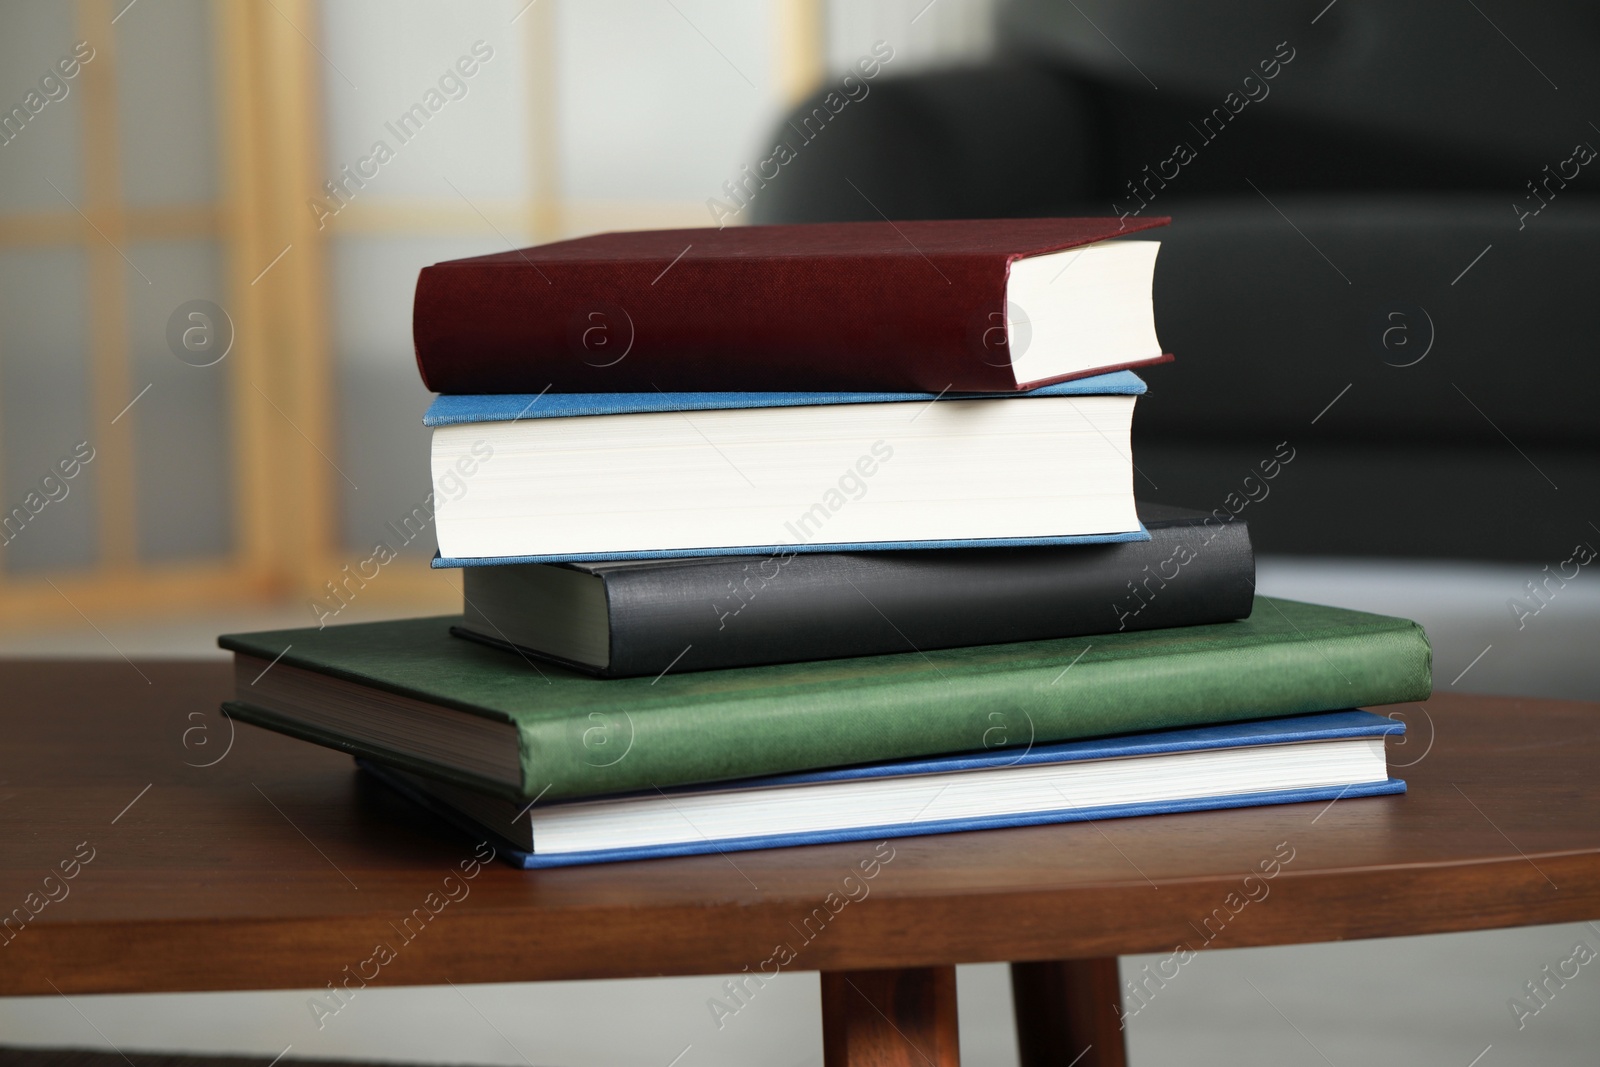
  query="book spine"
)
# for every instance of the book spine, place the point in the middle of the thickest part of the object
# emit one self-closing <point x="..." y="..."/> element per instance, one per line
<point x="780" y="323"/>
<point x="840" y="716"/>
<point x="788" y="607"/>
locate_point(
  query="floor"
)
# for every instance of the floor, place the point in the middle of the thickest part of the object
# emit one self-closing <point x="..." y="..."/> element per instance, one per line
<point x="1447" y="1000"/>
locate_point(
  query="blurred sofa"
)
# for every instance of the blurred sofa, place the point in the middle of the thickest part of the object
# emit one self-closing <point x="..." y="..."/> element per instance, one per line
<point x="1384" y="251"/>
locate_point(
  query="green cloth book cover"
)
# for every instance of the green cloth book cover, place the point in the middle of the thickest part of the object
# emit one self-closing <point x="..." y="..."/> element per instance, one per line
<point x="583" y="736"/>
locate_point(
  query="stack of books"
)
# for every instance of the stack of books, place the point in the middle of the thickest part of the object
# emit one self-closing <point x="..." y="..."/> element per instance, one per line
<point x="795" y="534"/>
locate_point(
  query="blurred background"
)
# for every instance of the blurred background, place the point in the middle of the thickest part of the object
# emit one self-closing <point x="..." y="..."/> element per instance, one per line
<point x="1383" y="253"/>
<point x="206" y="160"/>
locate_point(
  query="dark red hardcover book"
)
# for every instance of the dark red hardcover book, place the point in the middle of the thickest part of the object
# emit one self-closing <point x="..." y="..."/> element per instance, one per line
<point x="853" y="306"/>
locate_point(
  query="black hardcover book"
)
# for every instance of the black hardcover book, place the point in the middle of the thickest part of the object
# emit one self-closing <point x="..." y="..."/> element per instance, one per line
<point x="642" y="617"/>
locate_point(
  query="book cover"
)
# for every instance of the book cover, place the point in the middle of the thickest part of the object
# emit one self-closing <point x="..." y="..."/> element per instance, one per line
<point x="1329" y="726"/>
<point x="582" y="736"/>
<point x="828" y="306"/>
<point x="746" y="552"/>
<point x="451" y="410"/>
<point x="729" y="611"/>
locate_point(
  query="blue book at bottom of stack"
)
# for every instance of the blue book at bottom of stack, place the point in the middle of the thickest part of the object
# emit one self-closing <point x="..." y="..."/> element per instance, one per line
<point x="1318" y="757"/>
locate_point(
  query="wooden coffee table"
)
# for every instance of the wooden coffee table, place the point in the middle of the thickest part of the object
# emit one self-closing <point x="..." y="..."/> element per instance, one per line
<point x="276" y="865"/>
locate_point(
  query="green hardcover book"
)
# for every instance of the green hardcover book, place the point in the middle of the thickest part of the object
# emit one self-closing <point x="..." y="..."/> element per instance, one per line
<point x="410" y="694"/>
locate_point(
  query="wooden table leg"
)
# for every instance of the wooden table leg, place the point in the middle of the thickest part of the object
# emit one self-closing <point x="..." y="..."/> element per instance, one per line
<point x="896" y="1018"/>
<point x="1067" y="1013"/>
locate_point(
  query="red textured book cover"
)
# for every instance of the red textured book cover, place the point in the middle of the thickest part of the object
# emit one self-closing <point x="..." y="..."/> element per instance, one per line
<point x="826" y="306"/>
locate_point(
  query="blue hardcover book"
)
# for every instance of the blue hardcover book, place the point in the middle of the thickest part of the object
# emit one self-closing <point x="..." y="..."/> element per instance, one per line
<point x="1319" y="757"/>
<point x="565" y="477"/>
<point x="454" y="410"/>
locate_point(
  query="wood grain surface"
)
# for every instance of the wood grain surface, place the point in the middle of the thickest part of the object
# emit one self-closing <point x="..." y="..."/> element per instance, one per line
<point x="279" y="866"/>
<point x="894" y="1018"/>
<point x="1068" y="1013"/>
